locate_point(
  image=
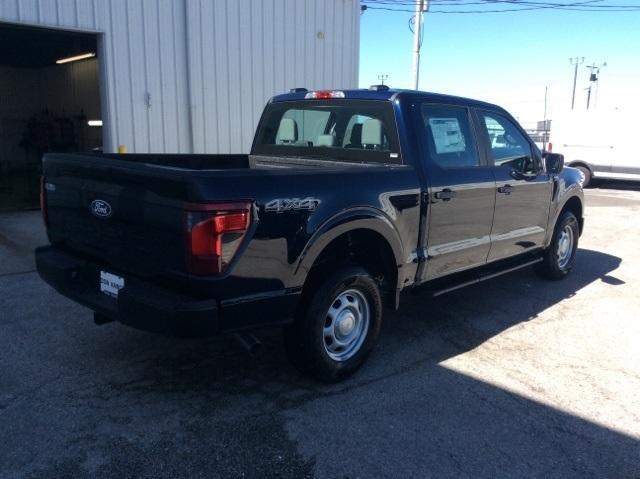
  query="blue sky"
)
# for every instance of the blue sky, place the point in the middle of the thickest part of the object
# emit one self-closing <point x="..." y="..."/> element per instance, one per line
<point x="508" y="58"/>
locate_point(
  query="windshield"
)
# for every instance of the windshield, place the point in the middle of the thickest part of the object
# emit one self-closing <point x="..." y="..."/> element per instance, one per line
<point x="344" y="130"/>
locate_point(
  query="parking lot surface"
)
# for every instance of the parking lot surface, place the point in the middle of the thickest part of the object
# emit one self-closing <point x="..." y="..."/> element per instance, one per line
<point x="517" y="377"/>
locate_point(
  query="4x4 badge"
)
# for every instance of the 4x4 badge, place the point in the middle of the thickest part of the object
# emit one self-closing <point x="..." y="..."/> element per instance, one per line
<point x="280" y="205"/>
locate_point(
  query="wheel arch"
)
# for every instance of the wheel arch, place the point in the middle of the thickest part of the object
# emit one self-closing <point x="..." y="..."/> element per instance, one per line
<point x="576" y="206"/>
<point x="361" y="237"/>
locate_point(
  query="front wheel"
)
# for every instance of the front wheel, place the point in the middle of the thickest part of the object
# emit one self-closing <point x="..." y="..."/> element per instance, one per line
<point x="559" y="256"/>
<point x="337" y="325"/>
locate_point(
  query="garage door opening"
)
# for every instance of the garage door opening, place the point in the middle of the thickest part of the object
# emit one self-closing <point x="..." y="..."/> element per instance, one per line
<point x="49" y="102"/>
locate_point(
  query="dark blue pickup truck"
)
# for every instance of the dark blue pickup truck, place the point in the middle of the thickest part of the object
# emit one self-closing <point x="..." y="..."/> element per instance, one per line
<point x="346" y="199"/>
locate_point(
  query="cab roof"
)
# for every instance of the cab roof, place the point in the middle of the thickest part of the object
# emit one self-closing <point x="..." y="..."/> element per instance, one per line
<point x="388" y="94"/>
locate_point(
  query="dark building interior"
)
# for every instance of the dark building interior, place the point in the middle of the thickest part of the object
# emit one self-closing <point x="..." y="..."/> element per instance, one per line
<point x="45" y="106"/>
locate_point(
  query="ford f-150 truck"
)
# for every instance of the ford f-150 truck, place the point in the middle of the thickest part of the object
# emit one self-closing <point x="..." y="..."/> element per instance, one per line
<point x="346" y="199"/>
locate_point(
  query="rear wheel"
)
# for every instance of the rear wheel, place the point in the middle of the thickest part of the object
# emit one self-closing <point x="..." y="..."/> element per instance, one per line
<point x="586" y="172"/>
<point x="337" y="325"/>
<point x="559" y="256"/>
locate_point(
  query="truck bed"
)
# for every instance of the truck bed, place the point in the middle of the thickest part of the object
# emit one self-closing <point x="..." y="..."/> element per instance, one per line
<point x="148" y="194"/>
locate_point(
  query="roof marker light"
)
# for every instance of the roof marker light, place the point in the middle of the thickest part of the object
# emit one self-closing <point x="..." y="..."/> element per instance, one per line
<point x="324" y="94"/>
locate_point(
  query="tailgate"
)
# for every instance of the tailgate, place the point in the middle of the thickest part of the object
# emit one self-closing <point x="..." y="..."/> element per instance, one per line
<point x="128" y="215"/>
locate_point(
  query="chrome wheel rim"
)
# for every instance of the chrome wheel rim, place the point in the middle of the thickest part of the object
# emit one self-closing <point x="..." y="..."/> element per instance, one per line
<point x="565" y="246"/>
<point x="346" y="325"/>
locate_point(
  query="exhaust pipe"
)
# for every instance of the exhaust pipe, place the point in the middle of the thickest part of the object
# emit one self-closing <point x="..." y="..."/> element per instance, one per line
<point x="249" y="342"/>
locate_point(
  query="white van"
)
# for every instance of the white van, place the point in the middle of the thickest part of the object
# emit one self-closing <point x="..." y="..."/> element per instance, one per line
<point x="598" y="143"/>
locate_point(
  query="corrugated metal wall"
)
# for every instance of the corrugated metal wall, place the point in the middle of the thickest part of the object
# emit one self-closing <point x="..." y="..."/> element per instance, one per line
<point x="194" y="75"/>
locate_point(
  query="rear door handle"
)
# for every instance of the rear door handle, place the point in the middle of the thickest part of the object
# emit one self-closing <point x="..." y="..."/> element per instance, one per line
<point x="506" y="189"/>
<point x="445" y="195"/>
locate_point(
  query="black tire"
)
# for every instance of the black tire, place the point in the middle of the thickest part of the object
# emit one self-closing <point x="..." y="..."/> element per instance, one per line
<point x="554" y="264"/>
<point x="587" y="175"/>
<point x="305" y="339"/>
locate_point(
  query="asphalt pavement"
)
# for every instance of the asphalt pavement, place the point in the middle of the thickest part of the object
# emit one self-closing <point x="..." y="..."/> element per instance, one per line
<point x="516" y="377"/>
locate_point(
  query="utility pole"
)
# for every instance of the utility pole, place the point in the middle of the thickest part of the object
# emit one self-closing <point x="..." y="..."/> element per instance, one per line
<point x="382" y="78"/>
<point x="594" y="73"/>
<point x="546" y="90"/>
<point x="421" y="7"/>
<point x="575" y="61"/>
<point x="598" y="82"/>
<point x="545" y="134"/>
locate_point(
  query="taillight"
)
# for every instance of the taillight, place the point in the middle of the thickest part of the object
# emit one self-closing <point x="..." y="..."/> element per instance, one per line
<point x="43" y="202"/>
<point x="214" y="232"/>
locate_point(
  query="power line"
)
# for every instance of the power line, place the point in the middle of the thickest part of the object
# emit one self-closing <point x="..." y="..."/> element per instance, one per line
<point x="585" y="4"/>
<point x="582" y="6"/>
<point x="506" y="10"/>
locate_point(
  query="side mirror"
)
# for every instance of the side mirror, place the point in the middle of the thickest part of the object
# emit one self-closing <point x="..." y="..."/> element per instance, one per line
<point x="554" y="162"/>
<point x="525" y="168"/>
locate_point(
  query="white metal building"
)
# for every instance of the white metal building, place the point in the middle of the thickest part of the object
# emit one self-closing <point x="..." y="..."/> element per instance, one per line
<point x="185" y="76"/>
<point x="193" y="75"/>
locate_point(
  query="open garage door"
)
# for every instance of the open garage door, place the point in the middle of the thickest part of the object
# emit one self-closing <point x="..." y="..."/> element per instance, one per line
<point x="49" y="102"/>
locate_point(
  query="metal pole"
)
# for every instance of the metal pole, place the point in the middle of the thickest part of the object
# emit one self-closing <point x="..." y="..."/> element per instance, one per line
<point x="595" y="100"/>
<point x="545" y="135"/>
<point x="575" y="79"/>
<point x="546" y="88"/>
<point x="416" y="43"/>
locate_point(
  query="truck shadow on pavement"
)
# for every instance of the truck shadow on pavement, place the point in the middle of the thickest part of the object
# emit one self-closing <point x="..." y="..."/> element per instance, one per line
<point x="144" y="404"/>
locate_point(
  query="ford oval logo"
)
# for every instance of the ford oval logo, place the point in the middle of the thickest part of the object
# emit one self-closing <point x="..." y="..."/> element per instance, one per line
<point x="100" y="208"/>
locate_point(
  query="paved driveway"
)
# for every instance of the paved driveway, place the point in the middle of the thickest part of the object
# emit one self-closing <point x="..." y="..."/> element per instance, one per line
<point x="517" y="377"/>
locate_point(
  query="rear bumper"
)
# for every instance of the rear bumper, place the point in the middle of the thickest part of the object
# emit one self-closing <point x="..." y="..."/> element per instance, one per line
<point x="144" y="305"/>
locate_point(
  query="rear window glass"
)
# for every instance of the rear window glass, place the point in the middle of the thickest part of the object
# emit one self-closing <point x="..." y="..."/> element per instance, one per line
<point x="343" y="130"/>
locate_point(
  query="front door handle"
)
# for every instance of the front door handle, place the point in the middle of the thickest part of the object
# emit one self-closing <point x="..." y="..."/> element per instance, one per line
<point x="506" y="189"/>
<point x="445" y="195"/>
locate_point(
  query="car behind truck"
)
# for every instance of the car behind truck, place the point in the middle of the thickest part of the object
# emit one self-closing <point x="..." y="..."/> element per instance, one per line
<point x="346" y="199"/>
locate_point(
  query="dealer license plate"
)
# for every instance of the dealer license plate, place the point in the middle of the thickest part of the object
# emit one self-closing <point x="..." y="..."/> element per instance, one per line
<point x="110" y="284"/>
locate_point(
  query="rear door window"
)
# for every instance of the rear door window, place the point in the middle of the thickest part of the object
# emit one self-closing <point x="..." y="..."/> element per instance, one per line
<point x="449" y="136"/>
